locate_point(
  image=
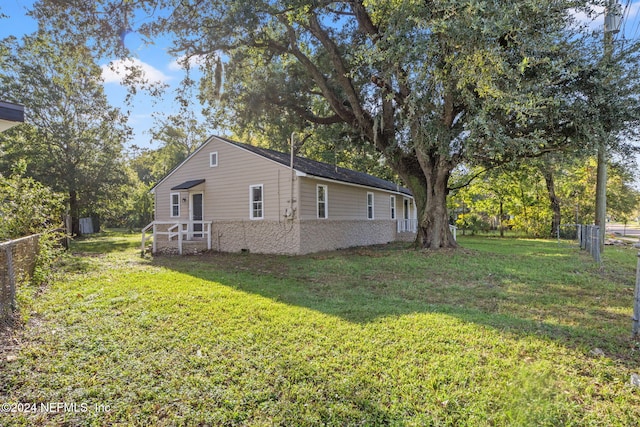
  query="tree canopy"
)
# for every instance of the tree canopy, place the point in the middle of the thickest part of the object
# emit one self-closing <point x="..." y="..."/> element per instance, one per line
<point x="72" y="139"/>
<point x="430" y="84"/>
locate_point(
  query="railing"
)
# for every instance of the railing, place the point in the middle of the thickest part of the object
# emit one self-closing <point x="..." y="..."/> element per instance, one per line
<point x="407" y="225"/>
<point x="454" y="230"/>
<point x="181" y="230"/>
<point x="411" y="226"/>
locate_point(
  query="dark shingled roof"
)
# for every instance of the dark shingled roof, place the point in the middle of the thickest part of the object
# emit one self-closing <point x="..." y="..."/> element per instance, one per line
<point x="11" y="112"/>
<point x="188" y="184"/>
<point x="322" y="170"/>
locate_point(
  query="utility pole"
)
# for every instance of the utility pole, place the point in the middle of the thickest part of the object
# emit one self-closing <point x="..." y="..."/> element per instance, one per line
<point x="612" y="21"/>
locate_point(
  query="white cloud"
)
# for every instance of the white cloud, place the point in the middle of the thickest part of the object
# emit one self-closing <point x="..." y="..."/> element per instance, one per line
<point x="194" y="61"/>
<point x="117" y="71"/>
<point x="592" y="20"/>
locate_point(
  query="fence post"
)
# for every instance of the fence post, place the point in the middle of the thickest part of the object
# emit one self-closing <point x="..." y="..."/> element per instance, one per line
<point x="12" y="277"/>
<point x="597" y="246"/>
<point x="636" y="303"/>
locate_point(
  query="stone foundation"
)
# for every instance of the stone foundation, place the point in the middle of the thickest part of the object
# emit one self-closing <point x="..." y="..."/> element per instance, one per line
<point x="326" y="235"/>
<point x="289" y="237"/>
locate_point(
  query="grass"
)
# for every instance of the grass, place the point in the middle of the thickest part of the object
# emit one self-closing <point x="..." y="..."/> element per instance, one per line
<point x="502" y="332"/>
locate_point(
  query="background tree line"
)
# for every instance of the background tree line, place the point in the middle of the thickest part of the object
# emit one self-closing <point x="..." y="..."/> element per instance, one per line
<point x="424" y="93"/>
<point x="542" y="198"/>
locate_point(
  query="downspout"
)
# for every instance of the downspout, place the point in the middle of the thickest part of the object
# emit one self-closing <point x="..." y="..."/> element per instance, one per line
<point x="290" y="213"/>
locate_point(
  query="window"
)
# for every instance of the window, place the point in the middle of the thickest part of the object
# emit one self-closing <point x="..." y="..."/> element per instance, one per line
<point x="321" y="193"/>
<point x="213" y="159"/>
<point x="369" y="205"/>
<point x="175" y="204"/>
<point x="393" y="207"/>
<point x="256" y="202"/>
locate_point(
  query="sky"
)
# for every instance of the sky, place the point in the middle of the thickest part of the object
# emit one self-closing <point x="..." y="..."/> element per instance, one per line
<point x="160" y="66"/>
<point x="157" y="64"/>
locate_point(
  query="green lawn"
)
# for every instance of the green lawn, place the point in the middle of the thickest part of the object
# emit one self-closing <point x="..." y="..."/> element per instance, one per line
<point x="501" y="332"/>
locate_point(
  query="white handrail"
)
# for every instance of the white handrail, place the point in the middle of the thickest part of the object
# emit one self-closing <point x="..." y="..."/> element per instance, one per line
<point x="184" y="232"/>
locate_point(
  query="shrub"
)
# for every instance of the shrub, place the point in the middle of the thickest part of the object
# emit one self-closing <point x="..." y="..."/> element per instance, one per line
<point x="27" y="207"/>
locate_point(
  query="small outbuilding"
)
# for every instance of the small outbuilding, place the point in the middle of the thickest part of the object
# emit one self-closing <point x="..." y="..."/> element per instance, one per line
<point x="232" y="197"/>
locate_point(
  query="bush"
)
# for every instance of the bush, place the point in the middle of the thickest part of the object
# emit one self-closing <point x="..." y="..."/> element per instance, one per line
<point x="27" y="207"/>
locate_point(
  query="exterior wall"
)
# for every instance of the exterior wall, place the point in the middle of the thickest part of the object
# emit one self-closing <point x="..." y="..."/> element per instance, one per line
<point x="275" y="237"/>
<point x="346" y="202"/>
<point x="347" y="223"/>
<point x="226" y="189"/>
<point x="321" y="235"/>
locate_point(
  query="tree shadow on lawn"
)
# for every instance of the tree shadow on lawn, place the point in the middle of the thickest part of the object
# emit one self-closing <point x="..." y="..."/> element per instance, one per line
<point x="520" y="293"/>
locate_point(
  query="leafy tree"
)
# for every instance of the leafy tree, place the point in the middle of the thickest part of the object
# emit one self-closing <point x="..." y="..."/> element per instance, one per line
<point x="179" y="136"/>
<point x="623" y="198"/>
<point x="72" y="139"/>
<point x="27" y="207"/>
<point x="431" y="84"/>
<point x="511" y="196"/>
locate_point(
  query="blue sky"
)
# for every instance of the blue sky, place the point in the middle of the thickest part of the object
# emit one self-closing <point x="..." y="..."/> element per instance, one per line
<point x="157" y="64"/>
<point x="160" y="66"/>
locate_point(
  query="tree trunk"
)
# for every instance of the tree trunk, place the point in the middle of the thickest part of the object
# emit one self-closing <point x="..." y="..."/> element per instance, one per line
<point x="73" y="210"/>
<point x="433" y="228"/>
<point x="431" y="201"/>
<point x="553" y="200"/>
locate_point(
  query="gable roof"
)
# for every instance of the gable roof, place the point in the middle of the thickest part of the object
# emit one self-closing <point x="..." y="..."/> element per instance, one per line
<point x="304" y="165"/>
<point x="322" y="170"/>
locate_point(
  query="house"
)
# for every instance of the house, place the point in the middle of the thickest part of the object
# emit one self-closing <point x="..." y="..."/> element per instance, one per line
<point x="10" y="115"/>
<point x="232" y="197"/>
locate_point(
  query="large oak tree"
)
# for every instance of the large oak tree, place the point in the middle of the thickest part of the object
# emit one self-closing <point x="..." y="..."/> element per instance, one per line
<point x="431" y="84"/>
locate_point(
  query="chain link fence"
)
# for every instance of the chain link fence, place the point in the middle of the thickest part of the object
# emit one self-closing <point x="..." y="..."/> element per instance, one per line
<point x="636" y="303"/>
<point x="17" y="263"/>
<point x="589" y="238"/>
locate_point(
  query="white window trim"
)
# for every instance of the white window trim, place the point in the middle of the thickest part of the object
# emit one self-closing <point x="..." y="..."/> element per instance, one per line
<point x="251" y="187"/>
<point x="392" y="204"/>
<point x="372" y="205"/>
<point x="325" y="201"/>
<point x="213" y="155"/>
<point x="171" y="205"/>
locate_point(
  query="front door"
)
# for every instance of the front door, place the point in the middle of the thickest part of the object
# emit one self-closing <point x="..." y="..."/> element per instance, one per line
<point x="196" y="214"/>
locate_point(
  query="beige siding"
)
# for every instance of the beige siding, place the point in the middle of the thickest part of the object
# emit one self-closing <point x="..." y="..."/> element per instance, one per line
<point x="346" y="202"/>
<point x="226" y="190"/>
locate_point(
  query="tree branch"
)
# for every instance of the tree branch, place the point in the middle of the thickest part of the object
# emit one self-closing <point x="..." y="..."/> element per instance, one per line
<point x="364" y="119"/>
